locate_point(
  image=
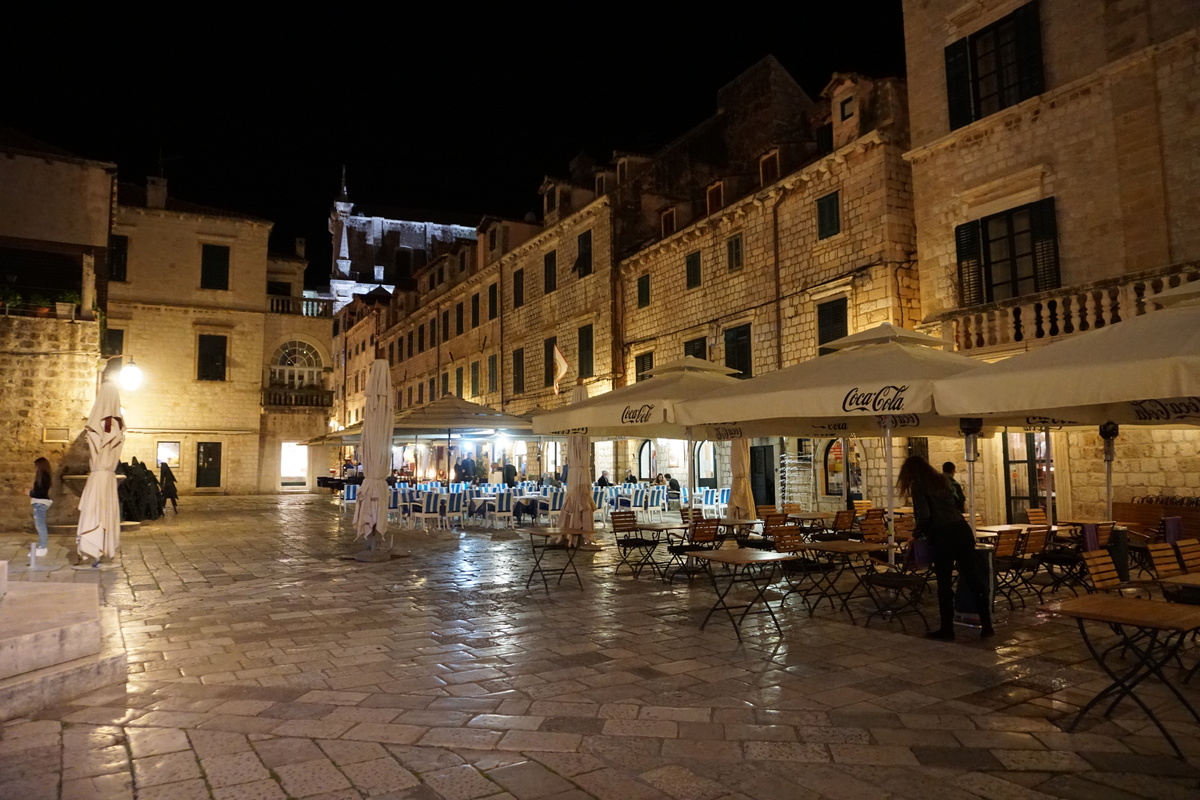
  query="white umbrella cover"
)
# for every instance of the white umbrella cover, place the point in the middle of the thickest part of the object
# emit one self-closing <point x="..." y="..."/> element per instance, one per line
<point x="578" y="508"/>
<point x="741" y="496"/>
<point x="99" y="530"/>
<point x="375" y="453"/>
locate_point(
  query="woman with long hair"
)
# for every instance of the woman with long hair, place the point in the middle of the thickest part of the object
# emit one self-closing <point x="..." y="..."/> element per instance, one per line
<point x="39" y="501"/>
<point x="951" y="542"/>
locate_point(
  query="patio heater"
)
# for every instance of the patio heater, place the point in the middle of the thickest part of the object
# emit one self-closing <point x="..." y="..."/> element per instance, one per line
<point x="1108" y="432"/>
<point x="970" y="427"/>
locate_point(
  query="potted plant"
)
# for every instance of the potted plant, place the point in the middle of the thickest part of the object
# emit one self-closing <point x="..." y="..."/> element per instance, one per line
<point x="9" y="297"/>
<point x="41" y="304"/>
<point x="66" y="304"/>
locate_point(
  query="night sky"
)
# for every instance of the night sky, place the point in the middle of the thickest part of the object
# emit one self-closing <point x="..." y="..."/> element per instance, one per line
<point x="463" y="113"/>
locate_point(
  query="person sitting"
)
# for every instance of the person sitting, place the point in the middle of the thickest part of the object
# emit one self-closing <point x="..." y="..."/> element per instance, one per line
<point x="659" y="480"/>
<point x="673" y="490"/>
<point x="603" y="479"/>
<point x="630" y="477"/>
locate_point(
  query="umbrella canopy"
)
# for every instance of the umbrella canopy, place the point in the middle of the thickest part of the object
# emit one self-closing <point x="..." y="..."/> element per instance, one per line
<point x="99" y="530"/>
<point x="375" y="453"/>
<point x="578" y="508"/>
<point x="741" y="495"/>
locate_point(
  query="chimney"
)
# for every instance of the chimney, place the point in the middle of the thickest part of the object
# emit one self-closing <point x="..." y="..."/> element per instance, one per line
<point x="300" y="246"/>
<point x="156" y="192"/>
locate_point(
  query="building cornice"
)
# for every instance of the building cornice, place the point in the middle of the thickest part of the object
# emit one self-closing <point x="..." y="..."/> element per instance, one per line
<point x="538" y="241"/>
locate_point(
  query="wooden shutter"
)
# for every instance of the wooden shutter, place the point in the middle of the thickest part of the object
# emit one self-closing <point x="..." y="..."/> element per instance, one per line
<point x="958" y="84"/>
<point x="697" y="348"/>
<point x="737" y="351"/>
<point x="518" y="357"/>
<point x="643" y="291"/>
<point x="1029" y="50"/>
<point x="1044" y="229"/>
<point x="832" y="323"/>
<point x="970" y="268"/>
<point x="642" y="364"/>
<point x="586" y="366"/>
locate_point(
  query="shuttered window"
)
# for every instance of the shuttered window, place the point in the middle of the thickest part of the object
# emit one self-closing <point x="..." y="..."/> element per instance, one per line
<point x="493" y="303"/>
<point x="995" y="67"/>
<point x="458" y="381"/>
<point x="829" y="216"/>
<point x="518" y="361"/>
<point x="697" y="348"/>
<point x="548" y="361"/>
<point x="737" y="351"/>
<point x="550" y="272"/>
<point x="214" y="266"/>
<point x="643" y="291"/>
<point x="493" y="373"/>
<point x="831" y="323"/>
<point x="583" y="262"/>
<point x="518" y="288"/>
<point x="692" y="266"/>
<point x="475" y="310"/>
<point x="1010" y="254"/>
<point x="733" y="253"/>
<point x="210" y="357"/>
<point x="586" y="358"/>
<point x="458" y="319"/>
<point x="642" y="364"/>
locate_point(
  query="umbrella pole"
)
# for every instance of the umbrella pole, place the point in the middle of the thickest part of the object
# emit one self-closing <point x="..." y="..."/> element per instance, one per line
<point x="891" y="489"/>
<point x="1049" y="478"/>
<point x="845" y="473"/>
<point x="691" y="472"/>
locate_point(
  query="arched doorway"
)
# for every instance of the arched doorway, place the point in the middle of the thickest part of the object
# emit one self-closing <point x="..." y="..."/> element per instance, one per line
<point x="836" y="470"/>
<point x="647" y="460"/>
<point x="706" y="465"/>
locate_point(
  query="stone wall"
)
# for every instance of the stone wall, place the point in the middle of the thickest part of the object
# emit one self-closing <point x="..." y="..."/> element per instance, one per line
<point x="48" y="380"/>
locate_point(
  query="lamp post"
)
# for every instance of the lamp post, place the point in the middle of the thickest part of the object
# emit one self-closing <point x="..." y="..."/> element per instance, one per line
<point x="129" y="376"/>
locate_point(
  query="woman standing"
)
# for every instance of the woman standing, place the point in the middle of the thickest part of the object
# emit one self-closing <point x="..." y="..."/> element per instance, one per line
<point x="951" y="542"/>
<point x="39" y="500"/>
<point x="166" y="481"/>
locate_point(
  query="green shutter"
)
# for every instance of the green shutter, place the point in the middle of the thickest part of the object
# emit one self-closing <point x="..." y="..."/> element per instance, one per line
<point x="1044" y="230"/>
<point x="1029" y="51"/>
<point x="643" y="291"/>
<point x="958" y="84"/>
<point x="970" y="267"/>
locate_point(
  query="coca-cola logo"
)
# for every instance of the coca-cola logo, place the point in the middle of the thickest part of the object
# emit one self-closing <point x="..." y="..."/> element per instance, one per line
<point x="1041" y="423"/>
<point x="902" y="421"/>
<point x="570" y="432"/>
<point x="1166" y="410"/>
<point x="883" y="400"/>
<point x="833" y="426"/>
<point x="637" y="416"/>
<point x="722" y="433"/>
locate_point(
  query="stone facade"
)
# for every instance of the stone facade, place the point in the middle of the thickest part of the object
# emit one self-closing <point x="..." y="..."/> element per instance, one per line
<point x="1107" y="132"/>
<point x="163" y="317"/>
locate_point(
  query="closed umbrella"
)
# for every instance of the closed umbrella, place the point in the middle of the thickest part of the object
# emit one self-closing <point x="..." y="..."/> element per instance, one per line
<point x="375" y="454"/>
<point x="741" y="496"/>
<point x="99" y="530"/>
<point x="578" y="508"/>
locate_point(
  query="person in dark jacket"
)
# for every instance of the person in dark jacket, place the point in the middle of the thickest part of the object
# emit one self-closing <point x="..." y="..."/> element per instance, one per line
<point x="510" y="474"/>
<point x="603" y="479"/>
<point x="166" y="483"/>
<point x="960" y="499"/>
<point x="950" y="539"/>
<point x="39" y="503"/>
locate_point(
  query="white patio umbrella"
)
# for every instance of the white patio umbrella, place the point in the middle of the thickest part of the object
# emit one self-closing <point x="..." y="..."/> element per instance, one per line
<point x="375" y="453"/>
<point x="880" y="379"/>
<point x="1143" y="370"/>
<point x="99" y="531"/>
<point x="578" y="508"/>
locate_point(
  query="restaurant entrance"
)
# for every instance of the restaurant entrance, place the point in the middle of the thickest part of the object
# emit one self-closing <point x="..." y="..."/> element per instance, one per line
<point x="1024" y="473"/>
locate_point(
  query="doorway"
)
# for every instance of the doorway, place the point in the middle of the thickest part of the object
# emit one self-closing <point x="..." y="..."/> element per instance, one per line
<point x="762" y="474"/>
<point x="706" y="466"/>
<point x="208" y="465"/>
<point x="646" y="461"/>
<point x="293" y="466"/>
<point x="1024" y="473"/>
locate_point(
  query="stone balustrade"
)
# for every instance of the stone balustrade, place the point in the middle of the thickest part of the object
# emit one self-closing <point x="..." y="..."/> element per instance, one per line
<point x="301" y="306"/>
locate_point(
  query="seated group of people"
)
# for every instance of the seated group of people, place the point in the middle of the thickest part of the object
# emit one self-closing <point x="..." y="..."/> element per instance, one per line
<point x="672" y="484"/>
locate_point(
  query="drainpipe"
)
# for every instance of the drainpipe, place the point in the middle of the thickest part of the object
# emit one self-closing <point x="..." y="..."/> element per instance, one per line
<point x="778" y="319"/>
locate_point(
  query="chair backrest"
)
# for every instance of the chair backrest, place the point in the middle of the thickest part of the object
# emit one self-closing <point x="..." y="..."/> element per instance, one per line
<point x="1008" y="544"/>
<point x="393" y="500"/>
<point x="873" y="530"/>
<point x="873" y="514"/>
<point x="1036" y="516"/>
<point x="709" y="497"/>
<point x="656" y="496"/>
<point x="1102" y="572"/>
<point x="861" y="506"/>
<point x="1036" y="538"/>
<point x="454" y="502"/>
<point x="624" y="522"/>
<point x="350" y="492"/>
<point x="684" y="493"/>
<point x="764" y="511"/>
<point x="704" y="531"/>
<point x="688" y="515"/>
<point x="791" y="508"/>
<point x="904" y="525"/>
<point x="504" y="502"/>
<point x="612" y="491"/>
<point x="1166" y="562"/>
<point x="725" y="494"/>
<point x="1189" y="554"/>
<point x="843" y="520"/>
<point x="637" y="497"/>
<point x="774" y="522"/>
<point x="788" y="539"/>
<point x="430" y="503"/>
<point x="557" y="498"/>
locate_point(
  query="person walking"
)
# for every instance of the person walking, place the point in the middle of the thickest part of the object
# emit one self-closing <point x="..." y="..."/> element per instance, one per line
<point x="166" y="482"/>
<point x="40" y="502"/>
<point x="951" y="543"/>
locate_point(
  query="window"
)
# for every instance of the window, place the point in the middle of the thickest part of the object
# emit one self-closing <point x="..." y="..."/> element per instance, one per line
<point x="548" y="347"/>
<point x="643" y="291"/>
<point x="692" y="263"/>
<point x="493" y="304"/>
<point x="474" y="379"/>
<point x="518" y="288"/>
<point x="696" y="348"/>
<point x="458" y="319"/>
<point x="493" y="373"/>
<point x="421" y="392"/>
<point x="214" y="266"/>
<point x="716" y="198"/>
<point x="410" y="344"/>
<point x="586" y="365"/>
<point x="433" y="340"/>
<point x="733" y="252"/>
<point x="420" y="339"/>
<point x="642" y="364"/>
<point x="599" y="185"/>
<point x="114" y="345"/>
<point x="446" y="325"/>
<point x="768" y="168"/>
<point x="824" y="134"/>
<point x="995" y="67"/>
<point x="550" y="271"/>
<point x="829" y="218"/>
<point x="583" y="262"/>
<point x="458" y="381"/>
<point x="475" y="310"/>
<point x="433" y="387"/>
<point x="118" y="257"/>
<point x="622" y="171"/>
<point x="279" y="288"/>
<point x="737" y="351"/>
<point x="846" y="108"/>
<point x="391" y="353"/>
<point x="462" y="261"/>
<point x="210" y="360"/>
<point x="831" y="323"/>
<point x="668" y="222"/>
<point x="492" y="239"/>
<point x="518" y="357"/>
<point x="1010" y="254"/>
<point x="445" y="383"/>
<point x="552" y="199"/>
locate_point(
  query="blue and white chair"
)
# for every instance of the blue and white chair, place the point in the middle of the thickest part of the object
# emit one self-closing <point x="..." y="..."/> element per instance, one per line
<point x="430" y="508"/>
<point x="453" y="509"/>
<point x="349" y="495"/>
<point x="553" y="505"/>
<point x="656" y="502"/>
<point x="723" y="501"/>
<point x="501" y="514"/>
<point x="393" y="511"/>
<point x="708" y="503"/>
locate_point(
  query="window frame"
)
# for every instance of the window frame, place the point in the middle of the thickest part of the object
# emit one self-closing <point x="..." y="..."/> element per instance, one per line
<point x="548" y="345"/>
<point x="518" y="363"/>
<point x="735" y="252"/>
<point x="583" y="258"/>
<point x="1018" y="79"/>
<point x="828" y="308"/>
<point x="223" y="363"/>
<point x="550" y="272"/>
<point x="518" y="287"/>
<point x="643" y="290"/>
<point x="691" y="344"/>
<point x="693" y="264"/>
<point x="207" y="275"/>
<point x="735" y="337"/>
<point x="642" y="364"/>
<point x="829" y="215"/>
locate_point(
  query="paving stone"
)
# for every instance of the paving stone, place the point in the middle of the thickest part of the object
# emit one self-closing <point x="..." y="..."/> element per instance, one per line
<point x="379" y="775"/>
<point x="309" y="778"/>
<point x="233" y="768"/>
<point x="540" y="741"/>
<point x="167" y="768"/>
<point x="460" y="783"/>
<point x="683" y="784"/>
<point x="280" y="752"/>
<point x="180" y="790"/>
<point x="259" y="790"/>
<point x="529" y="779"/>
<point x="343" y="752"/>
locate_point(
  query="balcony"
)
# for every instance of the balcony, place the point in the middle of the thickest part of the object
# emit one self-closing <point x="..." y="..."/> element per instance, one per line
<point x="1020" y="322"/>
<point x="301" y="306"/>
<point x="287" y="397"/>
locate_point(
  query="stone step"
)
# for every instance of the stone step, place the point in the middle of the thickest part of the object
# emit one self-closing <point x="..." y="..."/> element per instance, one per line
<point x="23" y="695"/>
<point x="43" y="624"/>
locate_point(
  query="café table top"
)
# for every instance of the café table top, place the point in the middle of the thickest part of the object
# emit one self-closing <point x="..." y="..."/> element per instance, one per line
<point x="554" y="531"/>
<point x="663" y="526"/>
<point x="1085" y="521"/>
<point x="902" y="510"/>
<point x="740" y="556"/>
<point x="1128" y="611"/>
<point x="1190" y="579"/>
<point x="1000" y="528"/>
<point x="736" y="521"/>
<point x="820" y="515"/>
<point x="845" y="547"/>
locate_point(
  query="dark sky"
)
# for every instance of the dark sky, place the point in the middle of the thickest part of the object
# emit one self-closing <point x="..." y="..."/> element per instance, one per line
<point x="447" y="108"/>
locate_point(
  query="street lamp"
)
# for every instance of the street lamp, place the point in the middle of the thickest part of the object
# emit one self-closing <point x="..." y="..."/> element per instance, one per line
<point x="130" y="375"/>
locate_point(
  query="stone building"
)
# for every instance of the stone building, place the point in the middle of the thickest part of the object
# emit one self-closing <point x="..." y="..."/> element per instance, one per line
<point x="1056" y="170"/>
<point x="55" y="211"/>
<point x="236" y="359"/>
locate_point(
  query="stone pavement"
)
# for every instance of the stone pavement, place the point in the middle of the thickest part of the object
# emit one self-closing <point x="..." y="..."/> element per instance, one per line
<point x="264" y="665"/>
